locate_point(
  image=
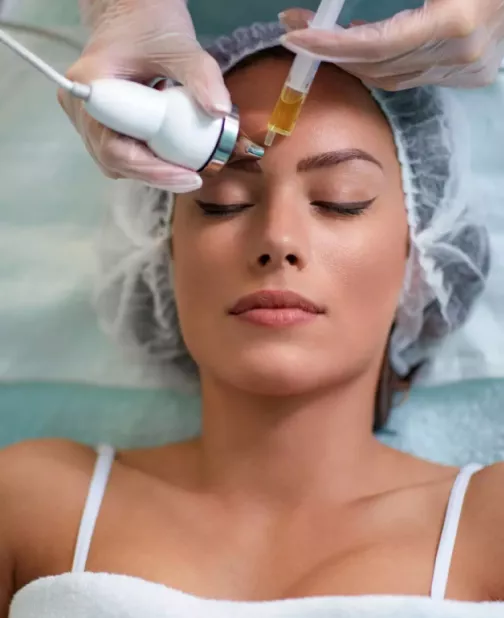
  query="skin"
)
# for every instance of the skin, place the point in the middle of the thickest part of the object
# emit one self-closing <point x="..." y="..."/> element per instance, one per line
<point x="218" y="260"/>
<point x="287" y="493"/>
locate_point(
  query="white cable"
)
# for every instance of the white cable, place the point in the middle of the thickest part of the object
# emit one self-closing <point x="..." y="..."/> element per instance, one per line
<point x="79" y="90"/>
<point x="47" y="33"/>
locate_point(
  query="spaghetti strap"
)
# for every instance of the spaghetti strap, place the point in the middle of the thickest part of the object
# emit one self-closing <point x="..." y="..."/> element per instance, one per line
<point x="450" y="528"/>
<point x="94" y="500"/>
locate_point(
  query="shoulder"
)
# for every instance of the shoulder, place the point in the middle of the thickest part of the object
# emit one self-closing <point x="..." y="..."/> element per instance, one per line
<point x="482" y="526"/>
<point x="40" y="472"/>
<point x="40" y="464"/>
<point x="44" y="447"/>
<point x="43" y="487"/>
<point x="486" y="494"/>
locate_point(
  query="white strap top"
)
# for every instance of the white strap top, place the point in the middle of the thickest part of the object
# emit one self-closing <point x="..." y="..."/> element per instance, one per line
<point x="449" y="533"/>
<point x="99" y="481"/>
<point x="445" y="550"/>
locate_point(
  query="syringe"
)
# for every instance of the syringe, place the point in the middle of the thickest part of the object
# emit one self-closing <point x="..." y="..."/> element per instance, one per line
<point x="302" y="73"/>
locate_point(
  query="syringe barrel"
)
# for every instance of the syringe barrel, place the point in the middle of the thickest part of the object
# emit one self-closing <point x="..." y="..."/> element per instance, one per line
<point x="327" y="14"/>
<point x="302" y="73"/>
<point x="303" y="69"/>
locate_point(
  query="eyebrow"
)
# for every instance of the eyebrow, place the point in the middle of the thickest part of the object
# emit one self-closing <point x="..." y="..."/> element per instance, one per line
<point x="324" y="159"/>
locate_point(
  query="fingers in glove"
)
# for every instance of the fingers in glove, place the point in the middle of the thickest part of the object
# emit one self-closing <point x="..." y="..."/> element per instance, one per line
<point x="182" y="59"/>
<point x="408" y="30"/>
<point x="127" y="158"/>
<point x="119" y="156"/>
<point x="296" y="19"/>
<point x="203" y="78"/>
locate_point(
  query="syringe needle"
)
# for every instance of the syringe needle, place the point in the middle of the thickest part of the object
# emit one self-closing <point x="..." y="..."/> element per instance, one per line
<point x="270" y="138"/>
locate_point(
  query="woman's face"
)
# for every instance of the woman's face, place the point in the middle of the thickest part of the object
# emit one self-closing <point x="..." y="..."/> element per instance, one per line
<point x="322" y="216"/>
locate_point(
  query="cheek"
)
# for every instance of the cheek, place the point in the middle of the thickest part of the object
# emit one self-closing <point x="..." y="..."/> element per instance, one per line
<point x="368" y="259"/>
<point x="204" y="263"/>
<point x="201" y="257"/>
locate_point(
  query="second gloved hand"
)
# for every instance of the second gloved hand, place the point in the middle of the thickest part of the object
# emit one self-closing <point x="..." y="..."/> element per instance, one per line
<point x="141" y="40"/>
<point x="457" y="43"/>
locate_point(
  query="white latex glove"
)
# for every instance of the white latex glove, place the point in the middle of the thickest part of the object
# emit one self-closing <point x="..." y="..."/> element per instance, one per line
<point x="141" y="40"/>
<point x="457" y="43"/>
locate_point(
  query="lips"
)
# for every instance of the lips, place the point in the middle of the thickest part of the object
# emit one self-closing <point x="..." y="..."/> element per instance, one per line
<point x="273" y="300"/>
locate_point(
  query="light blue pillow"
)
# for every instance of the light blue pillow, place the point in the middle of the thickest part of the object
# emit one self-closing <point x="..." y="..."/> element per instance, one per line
<point x="454" y="424"/>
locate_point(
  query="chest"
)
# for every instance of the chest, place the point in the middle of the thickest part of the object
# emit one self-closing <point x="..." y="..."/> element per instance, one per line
<point x="211" y="553"/>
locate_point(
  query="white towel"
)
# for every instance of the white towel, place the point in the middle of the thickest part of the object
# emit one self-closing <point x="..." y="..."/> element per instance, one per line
<point x="100" y="595"/>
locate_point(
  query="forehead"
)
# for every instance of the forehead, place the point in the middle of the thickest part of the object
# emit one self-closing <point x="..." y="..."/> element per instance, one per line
<point x="339" y="111"/>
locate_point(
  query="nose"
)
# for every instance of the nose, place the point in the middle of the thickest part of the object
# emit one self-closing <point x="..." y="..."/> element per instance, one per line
<point x="281" y="236"/>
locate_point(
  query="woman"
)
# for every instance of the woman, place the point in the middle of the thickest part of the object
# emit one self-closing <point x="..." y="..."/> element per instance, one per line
<point x="298" y="283"/>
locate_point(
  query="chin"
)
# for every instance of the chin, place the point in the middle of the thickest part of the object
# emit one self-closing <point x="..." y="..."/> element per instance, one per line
<point x="279" y="371"/>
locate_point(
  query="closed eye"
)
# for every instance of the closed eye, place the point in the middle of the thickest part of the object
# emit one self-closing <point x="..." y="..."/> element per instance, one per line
<point x="211" y="209"/>
<point x="343" y="208"/>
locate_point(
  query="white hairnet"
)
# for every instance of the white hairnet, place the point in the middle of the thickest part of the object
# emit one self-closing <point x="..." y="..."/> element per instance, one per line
<point x="449" y="251"/>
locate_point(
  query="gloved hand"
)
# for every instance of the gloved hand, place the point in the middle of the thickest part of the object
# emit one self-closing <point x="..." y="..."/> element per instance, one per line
<point x="141" y="40"/>
<point x="457" y="43"/>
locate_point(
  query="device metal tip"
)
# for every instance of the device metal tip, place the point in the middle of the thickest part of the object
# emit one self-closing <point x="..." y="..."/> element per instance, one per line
<point x="270" y="138"/>
<point x="245" y="148"/>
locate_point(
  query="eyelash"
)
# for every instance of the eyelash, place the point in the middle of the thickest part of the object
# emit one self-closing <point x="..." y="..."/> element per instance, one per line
<point x="351" y="209"/>
<point x="221" y="210"/>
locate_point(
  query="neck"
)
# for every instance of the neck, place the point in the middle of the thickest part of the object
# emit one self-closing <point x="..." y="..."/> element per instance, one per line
<point x="288" y="450"/>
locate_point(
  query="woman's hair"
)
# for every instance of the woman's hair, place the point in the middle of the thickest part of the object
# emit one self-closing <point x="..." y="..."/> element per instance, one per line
<point x="449" y="252"/>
